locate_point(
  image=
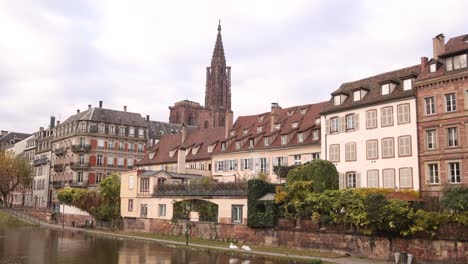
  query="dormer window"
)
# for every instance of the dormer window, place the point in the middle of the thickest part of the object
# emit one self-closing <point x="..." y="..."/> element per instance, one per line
<point x="357" y="95"/>
<point x="238" y="145"/>
<point x="266" y="141"/>
<point x="223" y="146"/>
<point x="407" y="84"/>
<point x="284" y="140"/>
<point x="171" y="153"/>
<point x="232" y="133"/>
<point x="245" y="131"/>
<point x="210" y="149"/>
<point x="433" y="67"/>
<point x="456" y="62"/>
<point x="294" y="125"/>
<point x="315" y="134"/>
<point x="151" y="155"/>
<point x="337" y="99"/>
<point x="195" y="150"/>
<point x="251" y="143"/>
<point x="317" y="121"/>
<point x="260" y="118"/>
<point x="290" y="112"/>
<point x="300" y="137"/>
<point x="277" y="126"/>
<point x="385" y="89"/>
<point x="303" y="111"/>
<point x="259" y="129"/>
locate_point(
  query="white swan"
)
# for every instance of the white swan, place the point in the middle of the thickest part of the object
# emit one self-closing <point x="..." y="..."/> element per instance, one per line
<point x="246" y="261"/>
<point x="233" y="260"/>
<point x="245" y="247"/>
<point x="232" y="246"/>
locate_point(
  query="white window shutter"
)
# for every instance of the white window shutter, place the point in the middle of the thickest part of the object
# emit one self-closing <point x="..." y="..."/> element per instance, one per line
<point x="285" y="161"/>
<point x="327" y="124"/>
<point x="235" y="165"/>
<point x="342" y="181"/>
<point x="358" y="180"/>
<point x="275" y="161"/>
<point x="250" y="164"/>
<point x="267" y="165"/>
<point x="257" y="165"/>
<point x="356" y="121"/>
<point x="342" y="124"/>
<point x="225" y="165"/>
<point x="216" y="166"/>
<point x="242" y="164"/>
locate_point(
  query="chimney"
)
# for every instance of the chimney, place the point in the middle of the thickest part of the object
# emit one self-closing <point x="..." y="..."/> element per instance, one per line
<point x="77" y="111"/>
<point x="100" y="104"/>
<point x="181" y="157"/>
<point x="58" y="123"/>
<point x="125" y="108"/>
<point x="424" y="64"/>
<point x="438" y="45"/>
<point x="228" y="123"/>
<point x="89" y="106"/>
<point x="184" y="133"/>
<point x="147" y="118"/>
<point x="274" y="115"/>
<point x="52" y="122"/>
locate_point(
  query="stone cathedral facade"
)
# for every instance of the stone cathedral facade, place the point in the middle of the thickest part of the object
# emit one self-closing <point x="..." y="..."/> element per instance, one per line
<point x="217" y="110"/>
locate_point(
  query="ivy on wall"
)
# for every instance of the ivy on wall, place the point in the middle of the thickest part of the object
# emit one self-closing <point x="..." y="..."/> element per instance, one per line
<point x="260" y="213"/>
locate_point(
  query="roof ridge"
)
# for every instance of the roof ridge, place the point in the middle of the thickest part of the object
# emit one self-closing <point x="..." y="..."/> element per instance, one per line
<point x="381" y="74"/>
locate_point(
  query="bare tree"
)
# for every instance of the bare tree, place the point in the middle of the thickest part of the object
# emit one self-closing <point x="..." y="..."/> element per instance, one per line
<point x="15" y="172"/>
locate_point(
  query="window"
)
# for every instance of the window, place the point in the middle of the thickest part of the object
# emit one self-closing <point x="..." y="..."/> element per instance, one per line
<point x="223" y="146"/>
<point x="220" y="166"/>
<point x="236" y="213"/>
<point x="407" y="84"/>
<point x="284" y="139"/>
<point x="337" y="99"/>
<point x="144" y="210"/>
<point x="432" y="173"/>
<point x="121" y="146"/>
<point x="385" y="89"/>
<point x="140" y="147"/>
<point x="387" y="148"/>
<point x="130" y="163"/>
<point x="266" y="141"/>
<point x="81" y="159"/>
<point x="263" y="165"/>
<point x="350" y="152"/>
<point x="102" y="128"/>
<point x="277" y="126"/>
<point x="210" y="149"/>
<point x="80" y="177"/>
<point x="130" y="182"/>
<point x="100" y="144"/>
<point x="334" y="155"/>
<point x="297" y="159"/>
<point x="111" y="129"/>
<point x="404" y="146"/>
<point x="110" y="161"/>
<point x="131" y="132"/>
<point x="452" y="137"/>
<point x="454" y="172"/>
<point x="315" y="156"/>
<point x="144" y="185"/>
<point x="251" y="142"/>
<point x="83" y="127"/>
<point x="141" y="132"/>
<point x="259" y="129"/>
<point x="350" y="122"/>
<point x="456" y="62"/>
<point x="110" y="146"/>
<point x="388" y="178"/>
<point x="450" y="102"/>
<point x="372" y="149"/>
<point x="317" y="121"/>
<point x="279" y="161"/>
<point x="122" y="131"/>
<point x="387" y="116"/>
<point x="406" y="177"/>
<point x="300" y="137"/>
<point x="371" y="119"/>
<point x="372" y="179"/>
<point x="130" y="205"/>
<point x="100" y="159"/>
<point x="351" y="180"/>
<point x="294" y="125"/>
<point x="303" y="111"/>
<point x="430" y="105"/>
<point x="432" y="67"/>
<point x="247" y="164"/>
<point x="403" y="113"/>
<point x="334" y="124"/>
<point x="161" y="210"/>
<point x="245" y="131"/>
<point x="232" y="165"/>
<point x="315" y="134"/>
<point x="131" y="147"/>
<point x="238" y="144"/>
<point x="431" y="136"/>
<point x="357" y="95"/>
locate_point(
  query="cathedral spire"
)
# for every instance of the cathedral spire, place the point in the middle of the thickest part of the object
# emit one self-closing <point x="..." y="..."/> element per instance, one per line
<point x="218" y="52"/>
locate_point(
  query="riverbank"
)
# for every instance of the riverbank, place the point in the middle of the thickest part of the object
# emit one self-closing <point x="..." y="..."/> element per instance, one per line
<point x="9" y="220"/>
<point x="266" y="252"/>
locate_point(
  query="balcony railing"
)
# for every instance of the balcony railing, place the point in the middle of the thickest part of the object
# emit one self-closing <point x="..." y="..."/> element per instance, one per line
<point x="40" y="162"/>
<point x="215" y="189"/>
<point x="81" y="148"/>
<point x="79" y="166"/>
<point x="59" y="167"/>
<point x="59" y="151"/>
<point x="82" y="183"/>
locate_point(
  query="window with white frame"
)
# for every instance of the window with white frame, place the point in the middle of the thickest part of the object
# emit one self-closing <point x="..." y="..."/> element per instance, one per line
<point x="144" y="185"/>
<point x="385" y="89"/>
<point x="284" y="139"/>
<point x="238" y="144"/>
<point x="130" y="163"/>
<point x="245" y="131"/>
<point x="429" y="104"/>
<point x="388" y="178"/>
<point x="232" y="165"/>
<point x="334" y="124"/>
<point x="100" y="144"/>
<point x="236" y="215"/>
<point x="456" y="62"/>
<point x="144" y="210"/>
<point x="297" y="159"/>
<point x="337" y="99"/>
<point x="350" y="151"/>
<point x="350" y="120"/>
<point x="373" y="179"/>
<point x="357" y="95"/>
<point x="111" y="145"/>
<point x="110" y="161"/>
<point x="111" y="129"/>
<point x="454" y="171"/>
<point x="386" y="116"/>
<point x="371" y="119"/>
<point x="450" y="102"/>
<point x="279" y="161"/>
<point x="122" y="131"/>
<point x="210" y="149"/>
<point x="130" y="205"/>
<point x="220" y="165"/>
<point x="223" y="146"/>
<point x="431" y="139"/>
<point x="432" y="173"/>
<point x="351" y="180"/>
<point x="303" y="111"/>
<point x="140" y="147"/>
<point x="433" y="67"/>
<point x="277" y="126"/>
<point x="372" y="148"/>
<point x="316" y="156"/>
<point x="452" y="137"/>
<point x="120" y="162"/>
<point x="300" y="137"/>
<point x="161" y="210"/>
<point x="141" y="132"/>
<point x="388" y="148"/>
<point x="131" y="131"/>
<point x="102" y="128"/>
<point x="403" y="113"/>
<point x="294" y="125"/>
<point x="259" y="129"/>
<point x="251" y="143"/>
<point x="406" y="177"/>
<point x="334" y="153"/>
<point x="404" y="146"/>
<point x="315" y="134"/>
<point x="407" y="84"/>
<point x="80" y="177"/>
<point x="263" y="165"/>
<point x="247" y="164"/>
<point x="100" y="160"/>
<point x="266" y="141"/>
<point x="131" y="182"/>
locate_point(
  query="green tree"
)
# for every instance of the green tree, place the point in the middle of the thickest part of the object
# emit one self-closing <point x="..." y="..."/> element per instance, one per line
<point x="455" y="198"/>
<point x="321" y="172"/>
<point x="14" y="172"/>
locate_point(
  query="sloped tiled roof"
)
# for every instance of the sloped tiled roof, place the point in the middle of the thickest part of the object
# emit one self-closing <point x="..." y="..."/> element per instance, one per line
<point x="108" y="116"/>
<point x="156" y="129"/>
<point x="14" y="135"/>
<point x="455" y="45"/>
<point x="373" y="86"/>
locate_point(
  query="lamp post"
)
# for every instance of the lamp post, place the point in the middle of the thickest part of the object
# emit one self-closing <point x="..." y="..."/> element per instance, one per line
<point x="187" y="207"/>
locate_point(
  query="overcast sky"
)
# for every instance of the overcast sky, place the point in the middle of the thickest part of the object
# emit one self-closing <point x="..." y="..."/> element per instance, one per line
<point x="58" y="56"/>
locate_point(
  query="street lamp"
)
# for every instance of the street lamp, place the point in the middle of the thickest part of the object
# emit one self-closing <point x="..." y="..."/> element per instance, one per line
<point x="187" y="208"/>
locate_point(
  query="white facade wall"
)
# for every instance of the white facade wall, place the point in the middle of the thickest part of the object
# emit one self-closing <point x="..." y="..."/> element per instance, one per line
<point x="361" y="135"/>
<point x="41" y="181"/>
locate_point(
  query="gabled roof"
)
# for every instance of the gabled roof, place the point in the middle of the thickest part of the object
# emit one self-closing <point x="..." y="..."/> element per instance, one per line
<point x="173" y="175"/>
<point x="14" y="135"/>
<point x="156" y="129"/>
<point x="108" y="116"/>
<point x="372" y="85"/>
<point x="456" y="45"/>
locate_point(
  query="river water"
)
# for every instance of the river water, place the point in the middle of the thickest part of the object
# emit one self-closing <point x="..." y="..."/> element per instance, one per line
<point x="37" y="245"/>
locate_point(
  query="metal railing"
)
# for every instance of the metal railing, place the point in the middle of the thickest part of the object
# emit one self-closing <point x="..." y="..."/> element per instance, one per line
<point x="198" y="189"/>
<point x="79" y="166"/>
<point x="39" y="162"/>
<point x="81" y="148"/>
<point x="59" y="151"/>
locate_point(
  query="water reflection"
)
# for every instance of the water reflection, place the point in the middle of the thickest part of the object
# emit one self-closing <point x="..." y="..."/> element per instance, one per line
<point x="46" y="246"/>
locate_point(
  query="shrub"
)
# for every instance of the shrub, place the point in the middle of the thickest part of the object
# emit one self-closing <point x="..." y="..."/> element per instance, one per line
<point x="260" y="213"/>
<point x="455" y="198"/>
